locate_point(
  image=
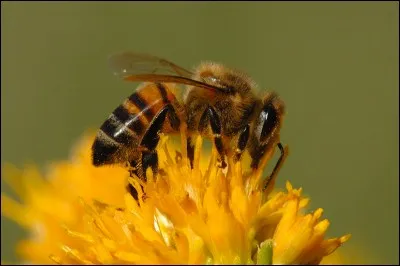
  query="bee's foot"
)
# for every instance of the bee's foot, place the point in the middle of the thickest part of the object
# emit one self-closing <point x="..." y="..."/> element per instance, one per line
<point x="221" y="163"/>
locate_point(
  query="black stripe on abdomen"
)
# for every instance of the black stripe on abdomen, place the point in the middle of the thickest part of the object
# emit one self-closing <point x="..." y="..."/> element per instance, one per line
<point x="133" y="122"/>
<point x="114" y="129"/>
<point x="163" y="92"/>
<point x="141" y="103"/>
<point x="122" y="114"/>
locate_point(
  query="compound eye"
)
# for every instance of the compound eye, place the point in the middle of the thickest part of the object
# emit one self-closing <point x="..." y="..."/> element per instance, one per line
<point x="268" y="119"/>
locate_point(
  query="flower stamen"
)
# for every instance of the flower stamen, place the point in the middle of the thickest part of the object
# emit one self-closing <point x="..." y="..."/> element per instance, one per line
<point x="199" y="215"/>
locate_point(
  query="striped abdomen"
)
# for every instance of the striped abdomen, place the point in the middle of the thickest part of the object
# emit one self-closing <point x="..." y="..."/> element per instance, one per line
<point x="120" y="135"/>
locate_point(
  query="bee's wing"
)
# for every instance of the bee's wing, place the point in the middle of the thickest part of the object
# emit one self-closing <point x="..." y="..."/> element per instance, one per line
<point x="131" y="63"/>
<point x="142" y="67"/>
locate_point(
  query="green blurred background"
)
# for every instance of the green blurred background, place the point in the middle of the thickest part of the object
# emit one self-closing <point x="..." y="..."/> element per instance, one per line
<point x="335" y="64"/>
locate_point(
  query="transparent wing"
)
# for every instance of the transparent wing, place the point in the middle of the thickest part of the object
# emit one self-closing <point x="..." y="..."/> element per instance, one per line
<point x="130" y="63"/>
<point x="176" y="79"/>
<point x="132" y="66"/>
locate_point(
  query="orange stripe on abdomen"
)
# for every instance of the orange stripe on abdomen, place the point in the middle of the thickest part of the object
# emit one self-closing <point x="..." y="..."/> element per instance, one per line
<point x="150" y="99"/>
<point x="138" y="111"/>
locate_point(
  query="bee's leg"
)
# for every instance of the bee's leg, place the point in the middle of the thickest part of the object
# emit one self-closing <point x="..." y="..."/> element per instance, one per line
<point x="148" y="146"/>
<point x="216" y="127"/>
<point x="190" y="150"/>
<point x="134" y="171"/>
<point x="278" y="165"/>
<point x="242" y="142"/>
<point x="150" y="141"/>
<point x="257" y="152"/>
<point x="172" y="115"/>
<point x="150" y="159"/>
<point x="133" y="191"/>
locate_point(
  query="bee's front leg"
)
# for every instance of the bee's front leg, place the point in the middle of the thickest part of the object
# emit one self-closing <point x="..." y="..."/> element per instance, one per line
<point x="242" y="142"/>
<point x="278" y="165"/>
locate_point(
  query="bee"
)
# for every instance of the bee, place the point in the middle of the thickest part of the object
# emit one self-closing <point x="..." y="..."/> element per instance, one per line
<point x="219" y="103"/>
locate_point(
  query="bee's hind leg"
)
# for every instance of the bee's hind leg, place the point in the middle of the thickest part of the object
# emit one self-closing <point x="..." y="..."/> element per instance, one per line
<point x="135" y="170"/>
<point x="152" y="137"/>
<point x="148" y="159"/>
<point x="148" y="145"/>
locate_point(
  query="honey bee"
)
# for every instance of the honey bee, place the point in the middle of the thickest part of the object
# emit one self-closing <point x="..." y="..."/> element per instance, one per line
<point x="219" y="103"/>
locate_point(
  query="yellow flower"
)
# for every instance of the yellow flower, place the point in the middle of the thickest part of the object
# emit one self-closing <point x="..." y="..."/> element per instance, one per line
<point x="81" y="214"/>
